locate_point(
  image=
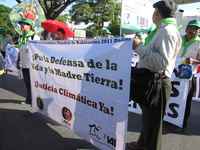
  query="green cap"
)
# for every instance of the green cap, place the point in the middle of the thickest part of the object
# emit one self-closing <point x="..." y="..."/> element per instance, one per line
<point x="194" y="23"/>
<point x="26" y="21"/>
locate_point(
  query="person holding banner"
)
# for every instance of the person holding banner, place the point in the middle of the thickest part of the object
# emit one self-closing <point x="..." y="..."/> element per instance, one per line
<point x="27" y="33"/>
<point x="158" y="55"/>
<point x="26" y="18"/>
<point x="59" y="35"/>
<point x="137" y="40"/>
<point x="58" y="29"/>
<point x="190" y="55"/>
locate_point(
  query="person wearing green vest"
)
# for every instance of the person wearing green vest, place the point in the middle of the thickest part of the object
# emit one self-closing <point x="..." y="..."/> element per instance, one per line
<point x="158" y="55"/>
<point x="190" y="50"/>
<point x="27" y="34"/>
<point x="190" y="54"/>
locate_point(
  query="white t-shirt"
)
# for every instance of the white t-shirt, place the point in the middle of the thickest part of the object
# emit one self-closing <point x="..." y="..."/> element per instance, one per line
<point x="24" y="55"/>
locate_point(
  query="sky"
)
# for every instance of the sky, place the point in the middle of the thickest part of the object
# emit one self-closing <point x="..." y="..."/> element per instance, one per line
<point x="188" y="8"/>
<point x="9" y="3"/>
<point x="191" y="8"/>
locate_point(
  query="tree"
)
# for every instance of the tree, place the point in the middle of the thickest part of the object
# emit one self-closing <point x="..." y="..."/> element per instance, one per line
<point x="5" y="21"/>
<point x="64" y="18"/>
<point x="114" y="26"/>
<point x="81" y="12"/>
<point x="89" y="11"/>
<point x="53" y="8"/>
<point x="97" y="13"/>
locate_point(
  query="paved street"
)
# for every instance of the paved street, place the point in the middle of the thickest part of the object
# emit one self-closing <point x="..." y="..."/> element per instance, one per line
<point x="20" y="129"/>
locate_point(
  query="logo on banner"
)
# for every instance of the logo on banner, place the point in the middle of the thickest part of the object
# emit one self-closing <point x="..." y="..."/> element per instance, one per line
<point x="67" y="115"/>
<point x="40" y="103"/>
<point x="95" y="131"/>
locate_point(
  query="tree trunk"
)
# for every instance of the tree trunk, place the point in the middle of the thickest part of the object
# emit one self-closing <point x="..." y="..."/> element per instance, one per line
<point x="53" y="9"/>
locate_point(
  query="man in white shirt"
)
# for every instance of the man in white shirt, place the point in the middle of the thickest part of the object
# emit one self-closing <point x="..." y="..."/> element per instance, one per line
<point x="27" y="34"/>
<point x="158" y="55"/>
<point x="190" y="54"/>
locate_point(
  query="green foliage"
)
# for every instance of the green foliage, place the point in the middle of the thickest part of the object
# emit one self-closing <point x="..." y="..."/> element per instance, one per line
<point x="53" y="8"/>
<point x="97" y="13"/>
<point x="64" y="18"/>
<point x="81" y="12"/>
<point x="114" y="28"/>
<point x="5" y="21"/>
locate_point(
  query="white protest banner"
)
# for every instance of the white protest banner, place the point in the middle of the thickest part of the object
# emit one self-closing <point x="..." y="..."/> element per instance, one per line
<point x="136" y="15"/>
<point x="175" y="109"/>
<point x="84" y="87"/>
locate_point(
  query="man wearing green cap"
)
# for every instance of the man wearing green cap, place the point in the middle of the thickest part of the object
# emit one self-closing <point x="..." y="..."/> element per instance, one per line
<point x="157" y="56"/>
<point x="190" y="54"/>
<point x="27" y="34"/>
<point x="27" y="31"/>
<point x="190" y="51"/>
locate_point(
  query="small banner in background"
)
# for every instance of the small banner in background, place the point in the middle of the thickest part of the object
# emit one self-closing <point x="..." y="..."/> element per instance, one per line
<point x="136" y="16"/>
